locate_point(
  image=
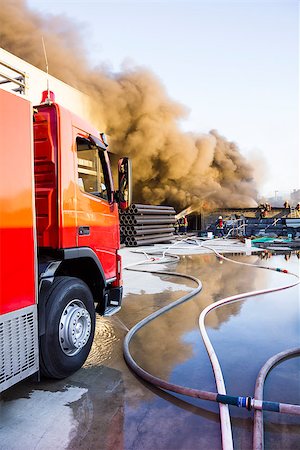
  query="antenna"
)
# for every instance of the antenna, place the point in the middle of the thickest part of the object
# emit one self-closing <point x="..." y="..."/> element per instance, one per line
<point x="47" y="70"/>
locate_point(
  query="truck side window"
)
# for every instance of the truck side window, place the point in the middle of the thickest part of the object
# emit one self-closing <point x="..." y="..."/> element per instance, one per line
<point x="91" y="177"/>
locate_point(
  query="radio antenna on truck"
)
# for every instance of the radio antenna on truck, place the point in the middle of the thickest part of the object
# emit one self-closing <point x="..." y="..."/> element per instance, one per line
<point x="48" y="99"/>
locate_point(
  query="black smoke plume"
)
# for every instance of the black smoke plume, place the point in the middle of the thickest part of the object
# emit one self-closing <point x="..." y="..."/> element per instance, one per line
<point x="133" y="108"/>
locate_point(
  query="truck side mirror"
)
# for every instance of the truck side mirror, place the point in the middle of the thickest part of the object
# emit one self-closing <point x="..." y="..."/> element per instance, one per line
<point x="125" y="183"/>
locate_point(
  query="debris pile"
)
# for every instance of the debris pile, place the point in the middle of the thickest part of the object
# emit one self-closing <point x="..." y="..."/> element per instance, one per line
<point x="147" y="224"/>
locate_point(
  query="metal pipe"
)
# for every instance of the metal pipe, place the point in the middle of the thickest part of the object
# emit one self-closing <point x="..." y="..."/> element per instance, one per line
<point x="152" y="236"/>
<point x="153" y="220"/>
<point x="152" y="227"/>
<point x="142" y="217"/>
<point x="152" y="241"/>
<point x="140" y="206"/>
<point x="130" y="221"/>
<point x="129" y="241"/>
<point x="153" y="230"/>
<point x="146" y="212"/>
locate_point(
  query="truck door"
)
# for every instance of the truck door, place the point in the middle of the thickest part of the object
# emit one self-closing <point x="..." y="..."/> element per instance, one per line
<point x="97" y="213"/>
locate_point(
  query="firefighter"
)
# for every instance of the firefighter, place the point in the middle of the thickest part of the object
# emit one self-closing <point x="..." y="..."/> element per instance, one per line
<point x="180" y="225"/>
<point x="286" y="205"/>
<point x="220" y="226"/>
<point x="298" y="207"/>
<point x="185" y="224"/>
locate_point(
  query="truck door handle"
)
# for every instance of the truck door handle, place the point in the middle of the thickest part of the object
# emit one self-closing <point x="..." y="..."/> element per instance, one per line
<point x="84" y="231"/>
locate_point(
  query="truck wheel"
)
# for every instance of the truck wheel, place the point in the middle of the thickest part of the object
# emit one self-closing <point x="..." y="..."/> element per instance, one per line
<point x="70" y="327"/>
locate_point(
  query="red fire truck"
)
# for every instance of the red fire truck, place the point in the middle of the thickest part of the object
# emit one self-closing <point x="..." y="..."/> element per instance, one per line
<point x="59" y="235"/>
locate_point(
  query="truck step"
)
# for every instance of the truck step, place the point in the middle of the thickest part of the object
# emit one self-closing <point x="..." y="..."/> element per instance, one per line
<point x="111" y="310"/>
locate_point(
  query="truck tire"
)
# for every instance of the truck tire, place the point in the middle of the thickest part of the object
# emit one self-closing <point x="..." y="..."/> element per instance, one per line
<point x="70" y="327"/>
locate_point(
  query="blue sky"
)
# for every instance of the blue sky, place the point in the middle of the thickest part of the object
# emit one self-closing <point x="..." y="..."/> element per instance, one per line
<point x="233" y="64"/>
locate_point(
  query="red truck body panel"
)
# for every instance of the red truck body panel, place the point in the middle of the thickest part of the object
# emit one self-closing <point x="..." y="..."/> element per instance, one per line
<point x="62" y="206"/>
<point x="17" y="220"/>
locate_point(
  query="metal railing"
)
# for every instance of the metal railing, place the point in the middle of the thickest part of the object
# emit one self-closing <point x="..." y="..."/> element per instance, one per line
<point x="12" y="79"/>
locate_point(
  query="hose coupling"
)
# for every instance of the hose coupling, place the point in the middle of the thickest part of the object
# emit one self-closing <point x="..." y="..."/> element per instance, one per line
<point x="245" y="402"/>
<point x="240" y="402"/>
<point x="278" y="269"/>
<point x="249" y="403"/>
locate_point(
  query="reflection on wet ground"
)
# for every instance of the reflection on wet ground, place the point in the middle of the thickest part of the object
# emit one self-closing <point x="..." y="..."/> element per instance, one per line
<point x="105" y="406"/>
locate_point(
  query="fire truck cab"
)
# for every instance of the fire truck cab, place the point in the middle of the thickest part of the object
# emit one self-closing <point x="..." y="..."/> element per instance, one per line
<point x="59" y="237"/>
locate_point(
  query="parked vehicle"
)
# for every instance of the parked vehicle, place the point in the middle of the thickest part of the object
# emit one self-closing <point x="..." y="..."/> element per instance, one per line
<point x="59" y="234"/>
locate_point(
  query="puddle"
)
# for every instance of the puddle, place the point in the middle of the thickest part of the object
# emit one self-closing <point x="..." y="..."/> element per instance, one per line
<point x="149" y="283"/>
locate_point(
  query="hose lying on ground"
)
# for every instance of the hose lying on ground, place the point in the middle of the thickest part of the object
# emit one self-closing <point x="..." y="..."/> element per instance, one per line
<point x="221" y="397"/>
<point x="258" y="428"/>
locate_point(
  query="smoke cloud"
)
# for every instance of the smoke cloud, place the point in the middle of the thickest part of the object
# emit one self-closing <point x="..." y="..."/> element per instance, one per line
<point x="133" y="108"/>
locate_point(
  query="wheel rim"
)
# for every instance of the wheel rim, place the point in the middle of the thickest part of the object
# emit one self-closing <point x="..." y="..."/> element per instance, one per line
<point x="74" y="327"/>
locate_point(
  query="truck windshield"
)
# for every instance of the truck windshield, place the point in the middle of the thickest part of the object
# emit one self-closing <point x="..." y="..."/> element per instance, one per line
<point x="92" y="169"/>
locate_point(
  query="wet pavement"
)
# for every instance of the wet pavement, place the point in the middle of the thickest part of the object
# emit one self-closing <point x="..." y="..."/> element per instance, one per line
<point x="105" y="406"/>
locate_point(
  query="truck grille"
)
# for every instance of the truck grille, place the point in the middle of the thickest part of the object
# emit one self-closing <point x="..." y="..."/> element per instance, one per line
<point x="18" y="346"/>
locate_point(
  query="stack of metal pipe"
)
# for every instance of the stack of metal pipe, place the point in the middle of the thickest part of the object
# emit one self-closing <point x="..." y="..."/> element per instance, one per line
<point x="147" y="224"/>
